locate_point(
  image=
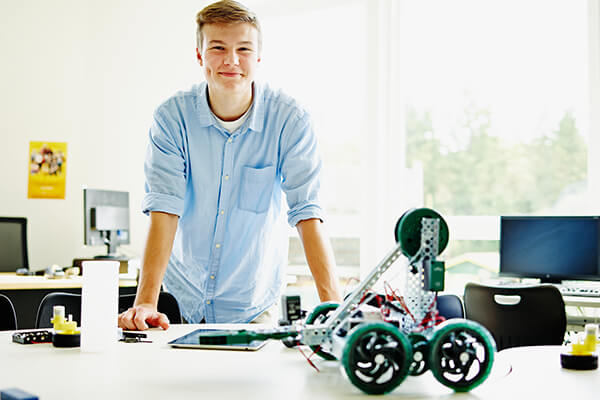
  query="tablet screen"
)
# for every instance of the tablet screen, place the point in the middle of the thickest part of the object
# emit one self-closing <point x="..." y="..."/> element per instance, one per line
<point x="192" y="341"/>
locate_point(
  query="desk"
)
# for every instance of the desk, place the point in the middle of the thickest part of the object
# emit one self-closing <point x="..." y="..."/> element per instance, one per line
<point x="577" y="322"/>
<point x="536" y="374"/>
<point x="26" y="292"/>
<point x="579" y="301"/>
<point x="156" y="371"/>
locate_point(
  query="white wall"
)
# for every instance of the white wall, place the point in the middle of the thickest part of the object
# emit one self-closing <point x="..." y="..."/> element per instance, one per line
<point x="89" y="73"/>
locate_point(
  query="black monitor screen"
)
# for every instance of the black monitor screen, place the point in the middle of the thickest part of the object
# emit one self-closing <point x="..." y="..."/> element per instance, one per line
<point x="13" y="244"/>
<point x="550" y="248"/>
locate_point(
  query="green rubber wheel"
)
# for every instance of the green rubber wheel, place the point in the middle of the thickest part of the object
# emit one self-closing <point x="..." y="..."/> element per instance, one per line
<point x="420" y="354"/>
<point x="408" y="230"/>
<point x="317" y="317"/>
<point x="377" y="357"/>
<point x="461" y="354"/>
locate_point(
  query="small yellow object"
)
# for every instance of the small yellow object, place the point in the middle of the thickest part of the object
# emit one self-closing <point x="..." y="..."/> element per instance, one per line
<point x="61" y="325"/>
<point x="589" y="343"/>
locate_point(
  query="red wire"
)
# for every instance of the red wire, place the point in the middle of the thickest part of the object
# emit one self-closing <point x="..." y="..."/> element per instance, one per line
<point x="308" y="358"/>
<point x="400" y="299"/>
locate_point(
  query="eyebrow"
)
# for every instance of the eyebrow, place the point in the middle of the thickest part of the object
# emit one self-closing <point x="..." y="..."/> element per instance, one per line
<point x="246" y="42"/>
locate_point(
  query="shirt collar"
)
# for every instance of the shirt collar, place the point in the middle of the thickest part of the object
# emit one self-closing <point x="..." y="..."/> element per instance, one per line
<point x="257" y="109"/>
<point x="256" y="118"/>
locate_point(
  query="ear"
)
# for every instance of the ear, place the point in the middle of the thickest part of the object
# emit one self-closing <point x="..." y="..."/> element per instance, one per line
<point x="199" y="57"/>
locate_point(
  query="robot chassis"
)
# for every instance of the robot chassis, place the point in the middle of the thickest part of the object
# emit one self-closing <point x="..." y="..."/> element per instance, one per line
<point x="380" y="347"/>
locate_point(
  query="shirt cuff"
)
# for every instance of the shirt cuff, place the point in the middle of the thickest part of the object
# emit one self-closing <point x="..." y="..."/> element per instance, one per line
<point x="162" y="202"/>
<point x="307" y="211"/>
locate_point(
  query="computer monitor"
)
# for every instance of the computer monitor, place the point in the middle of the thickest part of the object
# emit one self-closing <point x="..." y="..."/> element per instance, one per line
<point x="552" y="248"/>
<point x="106" y="220"/>
<point x="13" y="244"/>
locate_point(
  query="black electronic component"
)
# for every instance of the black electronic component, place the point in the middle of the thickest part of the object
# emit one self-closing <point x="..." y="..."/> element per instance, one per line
<point x="134" y="337"/>
<point x="434" y="276"/>
<point x="291" y="341"/>
<point x="32" y="337"/>
<point x="290" y="309"/>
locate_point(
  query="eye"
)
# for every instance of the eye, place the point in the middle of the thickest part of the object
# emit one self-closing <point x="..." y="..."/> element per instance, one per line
<point x="217" y="48"/>
<point x="244" y="49"/>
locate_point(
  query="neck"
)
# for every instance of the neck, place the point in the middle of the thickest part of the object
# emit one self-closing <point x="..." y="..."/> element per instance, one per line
<point x="229" y="106"/>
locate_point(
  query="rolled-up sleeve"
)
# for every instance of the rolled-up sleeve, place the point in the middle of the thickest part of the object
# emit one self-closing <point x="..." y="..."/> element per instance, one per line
<point x="300" y="170"/>
<point x="164" y="167"/>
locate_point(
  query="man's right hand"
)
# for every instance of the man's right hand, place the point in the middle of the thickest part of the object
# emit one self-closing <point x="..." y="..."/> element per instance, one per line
<point x="140" y="317"/>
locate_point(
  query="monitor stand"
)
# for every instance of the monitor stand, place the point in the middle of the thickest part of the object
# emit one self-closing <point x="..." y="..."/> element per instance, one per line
<point x="111" y="255"/>
<point x="552" y="280"/>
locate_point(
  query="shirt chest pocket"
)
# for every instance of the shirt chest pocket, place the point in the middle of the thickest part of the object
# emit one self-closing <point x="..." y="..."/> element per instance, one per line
<point x="256" y="188"/>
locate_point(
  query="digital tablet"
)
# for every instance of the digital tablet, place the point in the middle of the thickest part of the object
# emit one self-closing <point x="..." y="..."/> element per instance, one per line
<point x="191" y="341"/>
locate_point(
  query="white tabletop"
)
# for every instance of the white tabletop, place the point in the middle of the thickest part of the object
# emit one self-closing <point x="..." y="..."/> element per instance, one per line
<point x="536" y="373"/>
<point x="156" y="371"/>
<point x="11" y="281"/>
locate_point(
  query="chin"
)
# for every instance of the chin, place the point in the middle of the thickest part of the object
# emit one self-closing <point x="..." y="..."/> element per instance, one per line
<point x="236" y="86"/>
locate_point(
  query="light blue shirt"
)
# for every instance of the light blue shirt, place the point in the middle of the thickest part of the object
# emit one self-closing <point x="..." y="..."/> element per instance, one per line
<point x="230" y="249"/>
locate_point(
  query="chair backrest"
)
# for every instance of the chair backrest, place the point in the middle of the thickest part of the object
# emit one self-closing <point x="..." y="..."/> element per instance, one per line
<point x="518" y="315"/>
<point x="450" y="306"/>
<point x="71" y="302"/>
<point x="8" y="317"/>
<point x="167" y="304"/>
<point x="13" y="244"/>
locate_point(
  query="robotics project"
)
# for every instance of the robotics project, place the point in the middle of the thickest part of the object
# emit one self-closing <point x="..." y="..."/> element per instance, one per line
<point x="381" y="339"/>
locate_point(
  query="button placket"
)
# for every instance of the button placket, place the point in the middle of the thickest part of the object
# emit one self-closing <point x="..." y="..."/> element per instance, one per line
<point x="223" y="204"/>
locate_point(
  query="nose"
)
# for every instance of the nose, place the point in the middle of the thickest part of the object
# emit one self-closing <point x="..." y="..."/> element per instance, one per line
<point x="231" y="58"/>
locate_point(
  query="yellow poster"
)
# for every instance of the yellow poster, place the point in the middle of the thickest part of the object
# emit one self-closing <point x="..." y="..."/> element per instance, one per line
<point x="47" y="170"/>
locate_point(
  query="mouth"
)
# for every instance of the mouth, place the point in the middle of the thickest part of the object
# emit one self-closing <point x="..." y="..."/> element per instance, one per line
<point x="230" y="74"/>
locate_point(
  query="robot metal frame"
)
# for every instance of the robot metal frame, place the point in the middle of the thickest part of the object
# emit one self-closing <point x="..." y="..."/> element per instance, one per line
<point x="380" y="346"/>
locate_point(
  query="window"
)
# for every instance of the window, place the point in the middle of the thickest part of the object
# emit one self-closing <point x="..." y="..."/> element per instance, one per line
<point x="496" y="112"/>
<point x="476" y="109"/>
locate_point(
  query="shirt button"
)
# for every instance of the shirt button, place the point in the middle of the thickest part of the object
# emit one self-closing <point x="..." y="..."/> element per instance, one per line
<point x="226" y="177"/>
<point x="207" y="301"/>
<point x="229" y="140"/>
<point x="217" y="245"/>
<point x="222" y="212"/>
<point x="212" y="277"/>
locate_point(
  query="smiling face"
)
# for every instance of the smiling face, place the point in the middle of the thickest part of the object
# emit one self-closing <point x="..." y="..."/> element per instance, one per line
<point x="229" y="56"/>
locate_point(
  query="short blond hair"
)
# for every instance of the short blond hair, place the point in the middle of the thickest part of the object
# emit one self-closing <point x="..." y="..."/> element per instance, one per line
<point x="225" y="12"/>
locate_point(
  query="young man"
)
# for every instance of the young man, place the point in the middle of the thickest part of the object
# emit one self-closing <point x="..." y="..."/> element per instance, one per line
<point x="219" y="159"/>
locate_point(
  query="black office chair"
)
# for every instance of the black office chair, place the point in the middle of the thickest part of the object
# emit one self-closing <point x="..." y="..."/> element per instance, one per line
<point x="518" y="316"/>
<point x="450" y="306"/>
<point x="71" y="302"/>
<point x="8" y="317"/>
<point x="167" y="304"/>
